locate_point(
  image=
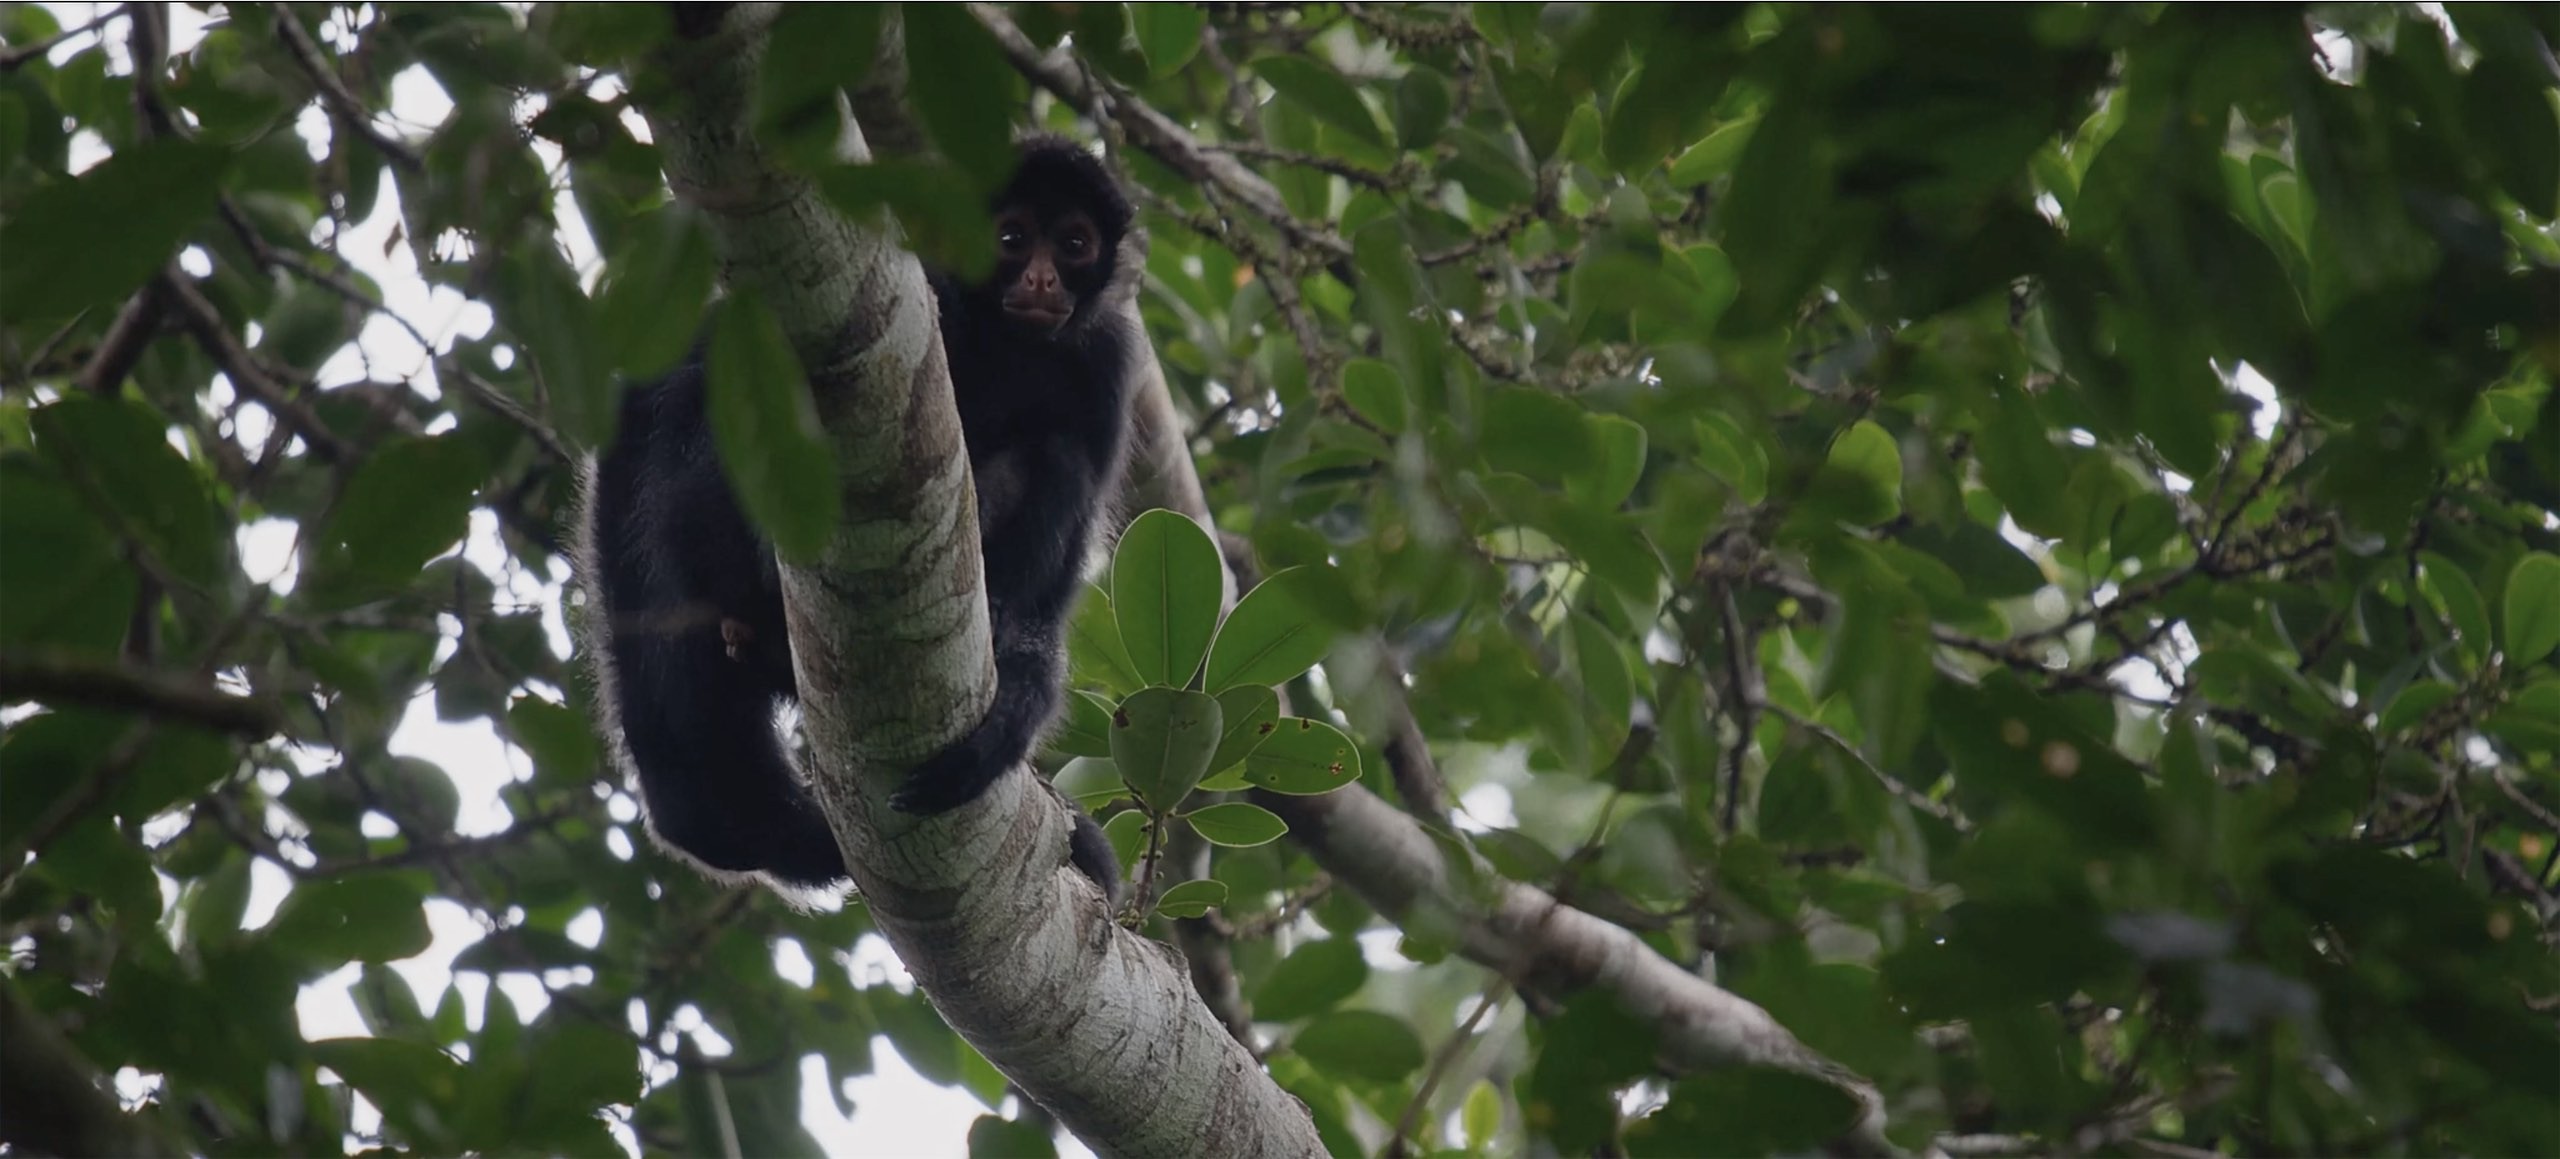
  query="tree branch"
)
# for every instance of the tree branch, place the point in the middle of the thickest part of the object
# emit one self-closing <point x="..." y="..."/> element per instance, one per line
<point x="1540" y="943"/>
<point x="69" y="680"/>
<point x="890" y="638"/>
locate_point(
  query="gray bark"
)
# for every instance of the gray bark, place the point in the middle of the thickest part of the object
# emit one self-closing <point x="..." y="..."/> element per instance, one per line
<point x="889" y="633"/>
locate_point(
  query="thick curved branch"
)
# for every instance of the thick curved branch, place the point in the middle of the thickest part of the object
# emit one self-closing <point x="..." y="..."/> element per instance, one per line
<point x="1542" y="944"/>
<point x="889" y="635"/>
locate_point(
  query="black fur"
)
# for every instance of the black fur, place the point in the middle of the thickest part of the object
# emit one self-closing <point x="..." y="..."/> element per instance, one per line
<point x="694" y="658"/>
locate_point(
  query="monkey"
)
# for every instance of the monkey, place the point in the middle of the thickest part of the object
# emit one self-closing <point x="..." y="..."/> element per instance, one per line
<point x="688" y="647"/>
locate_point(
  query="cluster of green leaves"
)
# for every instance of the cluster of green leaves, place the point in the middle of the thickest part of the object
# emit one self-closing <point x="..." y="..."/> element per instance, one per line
<point x="1195" y="705"/>
<point x="1832" y="446"/>
<point x="1811" y="461"/>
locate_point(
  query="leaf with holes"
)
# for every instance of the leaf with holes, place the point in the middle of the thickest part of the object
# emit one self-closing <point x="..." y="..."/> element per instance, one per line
<point x="1162" y="738"/>
<point x="1247" y="714"/>
<point x="1303" y="758"/>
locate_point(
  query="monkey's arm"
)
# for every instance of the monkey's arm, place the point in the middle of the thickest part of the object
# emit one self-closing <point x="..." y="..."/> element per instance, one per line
<point x="1035" y="529"/>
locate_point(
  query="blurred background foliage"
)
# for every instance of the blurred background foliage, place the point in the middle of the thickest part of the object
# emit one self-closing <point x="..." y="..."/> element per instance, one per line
<point x="2020" y="539"/>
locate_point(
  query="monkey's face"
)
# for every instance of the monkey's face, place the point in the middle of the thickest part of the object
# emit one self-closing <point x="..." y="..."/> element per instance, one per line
<point x="1047" y="264"/>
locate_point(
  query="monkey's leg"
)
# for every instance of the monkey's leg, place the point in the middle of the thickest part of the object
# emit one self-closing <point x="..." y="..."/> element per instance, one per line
<point x="1028" y="674"/>
<point x="718" y="785"/>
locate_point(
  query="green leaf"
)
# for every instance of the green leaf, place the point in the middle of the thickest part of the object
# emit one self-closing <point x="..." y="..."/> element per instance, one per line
<point x="1481" y="1115"/>
<point x="991" y="1137"/>
<point x="557" y="737"/>
<point x="79" y="592"/>
<point x="945" y="217"/>
<point x="1990" y="567"/>
<point x="814" y="50"/>
<point x="407" y="1081"/>
<point x="1733" y="456"/>
<point x="1744" y="1111"/>
<point x="2022" y="466"/>
<point x="1621" y="446"/>
<point x="575" y="1067"/>
<point x="2450" y="589"/>
<point x="1714" y="155"/>
<point x="1309" y="84"/>
<point x="1192" y="899"/>
<point x="1127" y="832"/>
<point x="1362" y="1044"/>
<point x="962" y="90"/>
<point x="1603" y="672"/>
<point x="2011" y="746"/>
<point x="1248" y="713"/>
<point x="1422" y="106"/>
<point x="1860" y="482"/>
<point x="1272" y="637"/>
<point x="1093" y="644"/>
<point x="771" y="446"/>
<point x="650" y="309"/>
<point x="1166" y="584"/>
<point x="2533" y="608"/>
<point x="2509" y="111"/>
<point x="2412" y="706"/>
<point x="119" y="453"/>
<point x="410" y="502"/>
<point x="1086" y="731"/>
<point x="1492" y="171"/>
<point x="1303" y="758"/>
<point x="1237" y="825"/>
<point x="1315" y="977"/>
<point x="1161" y="738"/>
<point x="555" y="325"/>
<point x="370" y="917"/>
<point x="94" y="238"/>
<point x="1717" y="284"/>
<point x="93" y="856"/>
<point x="2531" y="718"/>
<point x="1376" y="392"/>
<point x="1536" y="434"/>
<point x="1168" y="34"/>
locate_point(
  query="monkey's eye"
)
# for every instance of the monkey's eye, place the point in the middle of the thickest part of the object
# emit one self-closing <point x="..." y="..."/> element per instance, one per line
<point x="1012" y="237"/>
<point x="1077" y="245"/>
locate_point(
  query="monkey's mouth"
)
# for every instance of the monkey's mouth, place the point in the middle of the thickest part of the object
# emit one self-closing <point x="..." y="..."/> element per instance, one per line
<point x="1039" y="314"/>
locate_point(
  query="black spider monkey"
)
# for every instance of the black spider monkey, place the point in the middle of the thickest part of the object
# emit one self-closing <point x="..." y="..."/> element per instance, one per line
<point x="693" y="658"/>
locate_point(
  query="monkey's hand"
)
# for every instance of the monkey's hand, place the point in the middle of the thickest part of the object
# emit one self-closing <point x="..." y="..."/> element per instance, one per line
<point x="951" y="778"/>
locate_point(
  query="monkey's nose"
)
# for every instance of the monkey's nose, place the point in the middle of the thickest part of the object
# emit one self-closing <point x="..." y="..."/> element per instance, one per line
<point x="1041" y="281"/>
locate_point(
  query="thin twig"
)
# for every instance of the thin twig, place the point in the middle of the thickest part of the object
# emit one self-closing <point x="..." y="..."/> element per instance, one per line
<point x="12" y="58"/>
<point x="1356" y="174"/>
<point x="1159" y="135"/>
<point x="350" y="111"/>
<point x="1441" y="1059"/>
<point x="251" y="379"/>
<point x="1742" y="671"/>
<point x="1903" y="791"/>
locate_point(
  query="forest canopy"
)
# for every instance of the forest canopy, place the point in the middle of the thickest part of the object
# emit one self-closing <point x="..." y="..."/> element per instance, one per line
<point x="1758" y="578"/>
